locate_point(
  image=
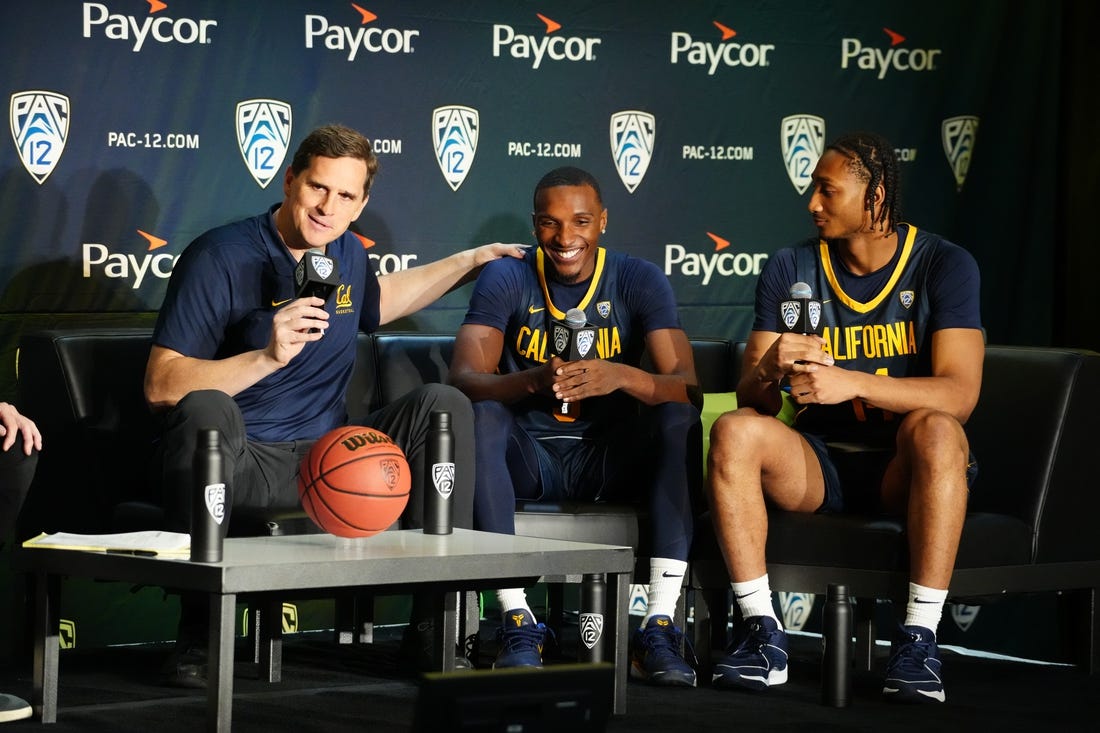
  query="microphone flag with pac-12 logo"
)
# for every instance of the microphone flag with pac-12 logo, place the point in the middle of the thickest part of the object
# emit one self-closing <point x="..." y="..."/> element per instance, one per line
<point x="573" y="338"/>
<point x="316" y="275"/>
<point x="800" y="313"/>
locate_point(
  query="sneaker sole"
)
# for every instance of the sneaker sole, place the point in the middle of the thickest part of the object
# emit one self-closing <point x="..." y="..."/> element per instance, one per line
<point x="915" y="696"/>
<point x="662" y="679"/>
<point x="741" y="682"/>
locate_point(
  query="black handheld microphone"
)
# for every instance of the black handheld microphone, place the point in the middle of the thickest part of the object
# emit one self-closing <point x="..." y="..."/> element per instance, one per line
<point x="573" y="338"/>
<point x="800" y="313"/>
<point x="316" y="275"/>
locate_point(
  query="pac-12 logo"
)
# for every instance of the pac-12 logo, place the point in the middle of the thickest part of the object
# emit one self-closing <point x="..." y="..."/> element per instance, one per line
<point x="959" y="135"/>
<point x="454" y="136"/>
<point x="263" y="135"/>
<point x="443" y="478"/>
<point x="791" y="311"/>
<point x="632" y="136"/>
<point x="802" y="140"/>
<point x="591" y="628"/>
<point x="40" y="127"/>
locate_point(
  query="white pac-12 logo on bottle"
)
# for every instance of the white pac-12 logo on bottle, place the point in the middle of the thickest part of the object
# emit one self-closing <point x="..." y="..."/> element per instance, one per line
<point x="591" y="628"/>
<point x="632" y="136"/>
<point x="454" y="136"/>
<point x="959" y="135"/>
<point x="802" y="140"/>
<point x="40" y="127"/>
<point x="214" y="494"/>
<point x="443" y="478"/>
<point x="263" y="135"/>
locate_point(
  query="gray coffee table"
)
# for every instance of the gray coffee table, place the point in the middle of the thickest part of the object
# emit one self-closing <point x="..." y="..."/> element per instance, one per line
<point x="272" y="568"/>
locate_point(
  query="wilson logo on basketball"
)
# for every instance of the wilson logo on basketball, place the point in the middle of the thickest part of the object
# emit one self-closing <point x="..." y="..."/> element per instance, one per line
<point x="357" y="441"/>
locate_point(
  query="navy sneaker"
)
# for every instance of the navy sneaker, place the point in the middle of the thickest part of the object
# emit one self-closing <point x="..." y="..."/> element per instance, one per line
<point x="913" y="672"/>
<point x="520" y="640"/>
<point x="655" y="655"/>
<point x="756" y="658"/>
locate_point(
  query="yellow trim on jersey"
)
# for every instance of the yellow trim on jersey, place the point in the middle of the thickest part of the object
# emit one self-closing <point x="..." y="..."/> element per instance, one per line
<point x="540" y="266"/>
<point x="830" y="275"/>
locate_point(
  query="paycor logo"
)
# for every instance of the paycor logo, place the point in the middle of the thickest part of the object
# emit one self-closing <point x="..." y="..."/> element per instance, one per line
<point x="893" y="59"/>
<point x="372" y="40"/>
<point x="720" y="262"/>
<point x="160" y="29"/>
<point x="114" y="265"/>
<point x="711" y="55"/>
<point x="555" y="48"/>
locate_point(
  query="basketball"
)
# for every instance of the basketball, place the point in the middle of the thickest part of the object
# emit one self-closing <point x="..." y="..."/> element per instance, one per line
<point x="354" y="482"/>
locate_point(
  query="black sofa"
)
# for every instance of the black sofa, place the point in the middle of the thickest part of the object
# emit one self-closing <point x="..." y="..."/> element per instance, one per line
<point x="1030" y="526"/>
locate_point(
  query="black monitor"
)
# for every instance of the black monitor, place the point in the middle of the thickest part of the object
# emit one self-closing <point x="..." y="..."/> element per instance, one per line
<point x="562" y="697"/>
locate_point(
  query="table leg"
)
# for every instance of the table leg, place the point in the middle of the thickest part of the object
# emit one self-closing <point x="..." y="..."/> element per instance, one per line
<point x="445" y="634"/>
<point x="618" y="596"/>
<point x="47" y="645"/>
<point x="270" y="634"/>
<point x="219" y="689"/>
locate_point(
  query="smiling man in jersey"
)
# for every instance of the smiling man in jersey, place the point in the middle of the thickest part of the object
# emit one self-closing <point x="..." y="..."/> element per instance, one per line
<point x="898" y="373"/>
<point x="636" y="434"/>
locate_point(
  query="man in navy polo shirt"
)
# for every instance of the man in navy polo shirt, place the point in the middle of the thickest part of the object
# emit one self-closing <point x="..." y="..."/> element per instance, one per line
<point x="235" y="349"/>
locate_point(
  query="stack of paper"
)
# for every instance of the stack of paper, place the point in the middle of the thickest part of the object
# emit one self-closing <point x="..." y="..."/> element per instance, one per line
<point x="152" y="542"/>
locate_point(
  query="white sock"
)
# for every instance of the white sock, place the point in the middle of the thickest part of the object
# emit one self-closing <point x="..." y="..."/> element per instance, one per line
<point x="925" y="606"/>
<point x="666" y="576"/>
<point x="754" y="598"/>
<point x="513" y="598"/>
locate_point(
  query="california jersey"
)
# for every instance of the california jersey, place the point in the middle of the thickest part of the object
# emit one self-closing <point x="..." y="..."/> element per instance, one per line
<point x="880" y="323"/>
<point x="625" y="298"/>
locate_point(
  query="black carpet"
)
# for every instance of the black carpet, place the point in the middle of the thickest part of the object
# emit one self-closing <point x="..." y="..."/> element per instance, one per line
<point x="333" y="688"/>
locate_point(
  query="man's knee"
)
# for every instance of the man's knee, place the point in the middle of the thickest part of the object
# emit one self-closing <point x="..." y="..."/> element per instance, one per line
<point x="675" y="418"/>
<point x="928" y="431"/>
<point x="209" y="406"/>
<point x="491" y="416"/>
<point x="744" y="426"/>
<point x="446" y="398"/>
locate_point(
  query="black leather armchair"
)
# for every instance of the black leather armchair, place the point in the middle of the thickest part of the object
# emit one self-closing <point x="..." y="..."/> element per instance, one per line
<point x="1030" y="527"/>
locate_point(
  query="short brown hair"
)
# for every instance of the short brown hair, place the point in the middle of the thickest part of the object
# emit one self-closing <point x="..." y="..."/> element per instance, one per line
<point x="336" y="141"/>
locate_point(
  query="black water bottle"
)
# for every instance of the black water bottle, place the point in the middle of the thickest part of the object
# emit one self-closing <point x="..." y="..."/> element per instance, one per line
<point x="593" y="612"/>
<point x="209" y="501"/>
<point x="439" y="474"/>
<point x="836" y="639"/>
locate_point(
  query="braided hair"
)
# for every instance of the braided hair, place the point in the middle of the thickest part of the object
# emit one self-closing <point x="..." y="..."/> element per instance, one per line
<point x="871" y="158"/>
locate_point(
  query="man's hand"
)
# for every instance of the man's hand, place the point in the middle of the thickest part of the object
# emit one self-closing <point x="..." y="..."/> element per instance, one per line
<point x="576" y="380"/>
<point x="825" y="385"/>
<point x="791" y="354"/>
<point x="12" y="425"/>
<point x="295" y="325"/>
<point x="489" y="252"/>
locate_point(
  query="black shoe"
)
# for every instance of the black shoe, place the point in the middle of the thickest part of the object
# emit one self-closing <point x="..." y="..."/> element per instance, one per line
<point x="417" y="643"/>
<point x="185" y="666"/>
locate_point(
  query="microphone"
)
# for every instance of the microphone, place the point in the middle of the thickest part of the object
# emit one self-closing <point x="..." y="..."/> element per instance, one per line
<point x="573" y="338"/>
<point x="316" y="275"/>
<point x="800" y="313"/>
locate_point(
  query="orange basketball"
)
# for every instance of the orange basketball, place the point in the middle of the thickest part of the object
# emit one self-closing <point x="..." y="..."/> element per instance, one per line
<point x="354" y="482"/>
